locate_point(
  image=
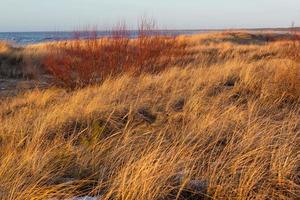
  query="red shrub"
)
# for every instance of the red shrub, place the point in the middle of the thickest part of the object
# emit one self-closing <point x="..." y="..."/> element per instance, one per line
<point x="84" y="62"/>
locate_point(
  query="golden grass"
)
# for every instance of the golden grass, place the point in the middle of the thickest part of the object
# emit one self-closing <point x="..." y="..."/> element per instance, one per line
<point x="229" y="119"/>
<point x="19" y="62"/>
<point x="4" y="47"/>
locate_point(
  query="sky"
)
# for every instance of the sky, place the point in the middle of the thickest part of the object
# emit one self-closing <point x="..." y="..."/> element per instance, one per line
<point x="64" y="15"/>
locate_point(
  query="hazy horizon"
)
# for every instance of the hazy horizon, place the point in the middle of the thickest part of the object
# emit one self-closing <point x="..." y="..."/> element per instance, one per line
<point x="91" y="28"/>
<point x="69" y="15"/>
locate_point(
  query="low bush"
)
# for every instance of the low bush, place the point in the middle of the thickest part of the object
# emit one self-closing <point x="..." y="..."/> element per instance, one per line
<point x="83" y="62"/>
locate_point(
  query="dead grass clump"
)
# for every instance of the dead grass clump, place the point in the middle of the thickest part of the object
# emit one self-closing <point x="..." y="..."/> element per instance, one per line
<point x="18" y="62"/>
<point x="4" y="47"/>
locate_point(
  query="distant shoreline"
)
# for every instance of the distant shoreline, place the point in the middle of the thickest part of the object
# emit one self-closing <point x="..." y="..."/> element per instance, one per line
<point x="30" y="38"/>
<point x="209" y="30"/>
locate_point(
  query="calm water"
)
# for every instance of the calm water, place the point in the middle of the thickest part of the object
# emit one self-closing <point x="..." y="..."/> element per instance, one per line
<point x="24" y="38"/>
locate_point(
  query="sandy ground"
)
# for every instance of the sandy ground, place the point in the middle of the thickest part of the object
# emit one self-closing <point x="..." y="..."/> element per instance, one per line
<point x="13" y="87"/>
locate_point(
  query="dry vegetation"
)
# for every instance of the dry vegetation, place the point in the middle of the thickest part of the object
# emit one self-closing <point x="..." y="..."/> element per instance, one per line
<point x="18" y="62"/>
<point x="224" y="125"/>
<point x="83" y="62"/>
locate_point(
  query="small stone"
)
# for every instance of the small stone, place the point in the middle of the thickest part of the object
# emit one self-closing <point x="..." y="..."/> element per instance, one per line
<point x="197" y="186"/>
<point x="194" y="189"/>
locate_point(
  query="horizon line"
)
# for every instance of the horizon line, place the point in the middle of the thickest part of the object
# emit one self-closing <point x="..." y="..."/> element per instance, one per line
<point x="204" y="29"/>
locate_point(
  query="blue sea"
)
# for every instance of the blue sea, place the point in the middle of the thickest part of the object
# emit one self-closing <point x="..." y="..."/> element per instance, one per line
<point x="25" y="38"/>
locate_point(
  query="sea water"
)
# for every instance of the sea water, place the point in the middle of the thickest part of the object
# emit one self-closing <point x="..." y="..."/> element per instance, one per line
<point x="25" y="38"/>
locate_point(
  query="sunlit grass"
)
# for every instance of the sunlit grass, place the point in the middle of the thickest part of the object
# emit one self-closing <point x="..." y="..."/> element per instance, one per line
<point x="227" y="121"/>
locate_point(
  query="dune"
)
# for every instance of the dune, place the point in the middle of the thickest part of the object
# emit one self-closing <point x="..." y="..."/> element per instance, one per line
<point x="223" y="124"/>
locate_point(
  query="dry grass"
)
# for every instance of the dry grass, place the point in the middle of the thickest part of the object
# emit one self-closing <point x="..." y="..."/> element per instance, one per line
<point x="4" y="47"/>
<point x="226" y="126"/>
<point x="18" y="62"/>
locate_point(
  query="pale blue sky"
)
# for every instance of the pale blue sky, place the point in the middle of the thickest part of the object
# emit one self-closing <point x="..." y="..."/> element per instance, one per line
<point x="59" y="15"/>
